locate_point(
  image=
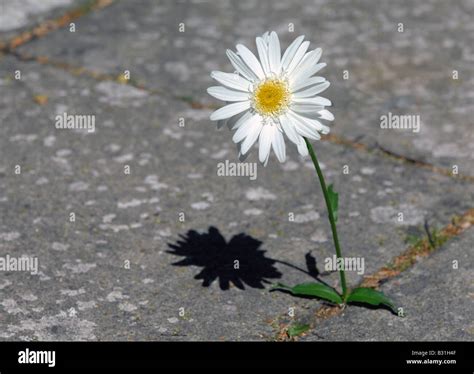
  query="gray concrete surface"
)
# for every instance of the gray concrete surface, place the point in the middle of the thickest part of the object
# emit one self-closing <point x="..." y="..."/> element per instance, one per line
<point x="85" y="289"/>
<point x="436" y="296"/>
<point x="404" y="73"/>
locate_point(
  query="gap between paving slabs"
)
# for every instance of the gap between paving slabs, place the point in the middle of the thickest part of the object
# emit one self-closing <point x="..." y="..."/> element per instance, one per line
<point x="400" y="263"/>
<point x="406" y="260"/>
<point x="49" y="26"/>
<point x="333" y="138"/>
<point x="43" y="29"/>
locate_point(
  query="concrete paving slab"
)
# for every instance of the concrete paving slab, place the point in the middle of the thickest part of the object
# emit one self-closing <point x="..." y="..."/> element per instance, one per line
<point x="411" y="63"/>
<point x="19" y="15"/>
<point x="436" y="296"/>
<point x="121" y="271"/>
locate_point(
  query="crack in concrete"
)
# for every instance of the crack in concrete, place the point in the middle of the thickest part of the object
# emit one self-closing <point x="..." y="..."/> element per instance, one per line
<point x="51" y="25"/>
<point x="398" y="264"/>
<point x="401" y="263"/>
<point x="336" y="139"/>
<point x="425" y="165"/>
<point x="332" y="138"/>
<point x="423" y="248"/>
<point x="48" y="26"/>
<point x="97" y="76"/>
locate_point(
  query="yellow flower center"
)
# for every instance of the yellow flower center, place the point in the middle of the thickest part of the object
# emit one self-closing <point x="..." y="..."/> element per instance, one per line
<point x="271" y="97"/>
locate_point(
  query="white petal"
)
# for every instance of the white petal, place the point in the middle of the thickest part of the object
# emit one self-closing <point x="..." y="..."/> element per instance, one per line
<point x="263" y="55"/>
<point x="315" y="55"/>
<point x="250" y="60"/>
<point x="317" y="114"/>
<point x="323" y="129"/>
<point x="318" y="100"/>
<point x="307" y="110"/>
<point x="240" y="119"/>
<point x="245" y="128"/>
<point x="290" y="52"/>
<point x="230" y="110"/>
<point x="266" y="37"/>
<point x="326" y="114"/>
<point x="307" y="63"/>
<point x="226" y="94"/>
<point x="303" y="128"/>
<point x="278" y="145"/>
<point x="232" y="80"/>
<point x="252" y="136"/>
<point x="232" y="120"/>
<point x="313" y="123"/>
<point x="307" y="132"/>
<point x="274" y="53"/>
<point x="311" y="91"/>
<point x="305" y="74"/>
<point x="266" y="160"/>
<point x="302" y="147"/>
<point x="240" y="66"/>
<point x="265" y="142"/>
<point x="289" y="129"/>
<point x="297" y="57"/>
<point x="305" y="83"/>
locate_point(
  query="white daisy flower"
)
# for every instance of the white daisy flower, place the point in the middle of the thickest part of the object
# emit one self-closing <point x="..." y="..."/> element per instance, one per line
<point x="272" y="95"/>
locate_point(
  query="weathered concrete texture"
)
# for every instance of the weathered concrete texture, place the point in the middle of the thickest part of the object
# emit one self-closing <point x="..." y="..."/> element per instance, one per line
<point x="84" y="289"/>
<point x="400" y="58"/>
<point x="436" y="297"/>
<point x="19" y="15"/>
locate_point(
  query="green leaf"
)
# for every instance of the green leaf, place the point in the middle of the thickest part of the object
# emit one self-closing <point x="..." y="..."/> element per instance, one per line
<point x="333" y="201"/>
<point x="296" y="330"/>
<point x="313" y="289"/>
<point x="370" y="296"/>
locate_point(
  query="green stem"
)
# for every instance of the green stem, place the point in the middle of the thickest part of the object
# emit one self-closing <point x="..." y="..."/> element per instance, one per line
<point x="330" y="214"/>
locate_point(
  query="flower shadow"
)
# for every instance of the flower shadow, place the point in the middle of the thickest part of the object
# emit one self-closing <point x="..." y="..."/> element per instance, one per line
<point x="239" y="261"/>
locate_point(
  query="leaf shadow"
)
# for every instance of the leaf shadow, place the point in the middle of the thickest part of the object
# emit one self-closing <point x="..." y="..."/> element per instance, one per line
<point x="311" y="270"/>
<point x="373" y="307"/>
